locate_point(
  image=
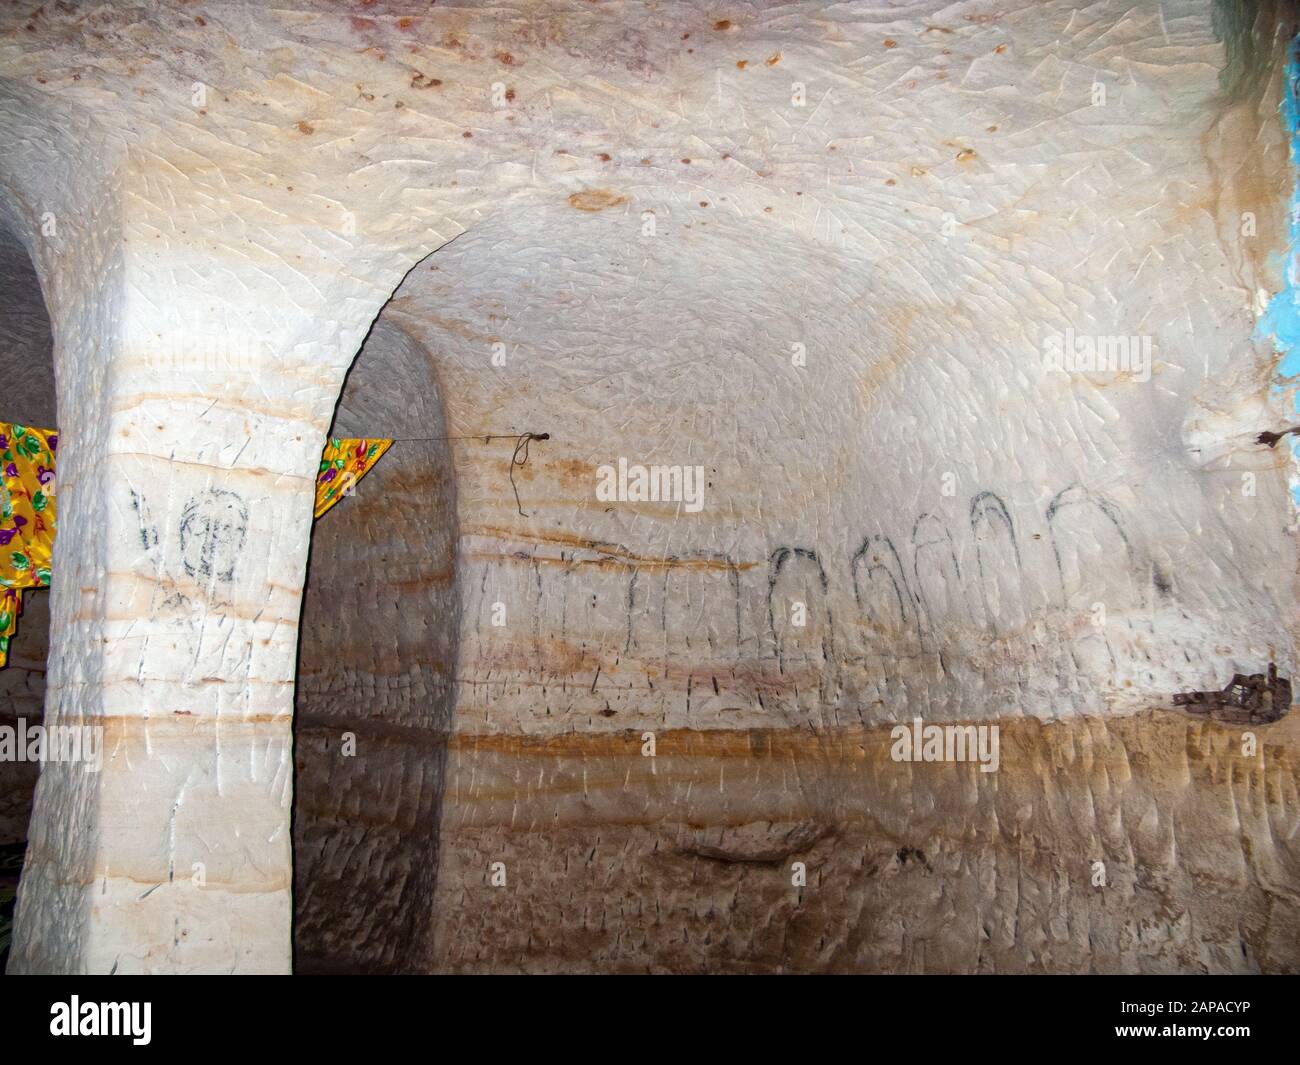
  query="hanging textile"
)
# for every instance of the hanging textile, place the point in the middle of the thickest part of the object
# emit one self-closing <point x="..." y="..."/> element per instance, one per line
<point x="26" y="519"/>
<point x="342" y="464"/>
<point x="27" y="506"/>
<point x="11" y="605"/>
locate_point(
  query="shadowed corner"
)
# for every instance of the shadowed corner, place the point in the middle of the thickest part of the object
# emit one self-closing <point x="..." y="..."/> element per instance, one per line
<point x="376" y="669"/>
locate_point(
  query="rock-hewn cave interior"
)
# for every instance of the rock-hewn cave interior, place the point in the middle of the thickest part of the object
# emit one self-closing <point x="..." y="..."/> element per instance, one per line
<point x="840" y="518"/>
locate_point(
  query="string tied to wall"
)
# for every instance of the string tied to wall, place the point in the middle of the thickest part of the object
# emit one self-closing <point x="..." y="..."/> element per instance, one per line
<point x="519" y="458"/>
<point x="27" y="511"/>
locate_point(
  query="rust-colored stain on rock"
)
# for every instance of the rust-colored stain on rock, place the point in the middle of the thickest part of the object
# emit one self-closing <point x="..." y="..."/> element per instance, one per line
<point x="595" y="199"/>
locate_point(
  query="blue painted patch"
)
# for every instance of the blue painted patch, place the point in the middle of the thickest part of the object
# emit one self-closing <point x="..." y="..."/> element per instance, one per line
<point x="1281" y="321"/>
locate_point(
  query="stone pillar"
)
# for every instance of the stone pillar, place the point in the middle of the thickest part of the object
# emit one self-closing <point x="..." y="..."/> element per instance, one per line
<point x="185" y="519"/>
<point x="197" y="377"/>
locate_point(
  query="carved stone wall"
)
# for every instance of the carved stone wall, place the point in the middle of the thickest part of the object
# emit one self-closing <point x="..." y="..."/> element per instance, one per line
<point x="830" y="258"/>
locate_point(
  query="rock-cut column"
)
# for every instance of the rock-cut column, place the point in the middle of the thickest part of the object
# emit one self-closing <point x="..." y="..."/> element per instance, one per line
<point x="194" y="396"/>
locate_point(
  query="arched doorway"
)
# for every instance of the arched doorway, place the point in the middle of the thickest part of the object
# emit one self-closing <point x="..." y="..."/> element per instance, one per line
<point x="27" y="397"/>
<point x="377" y="653"/>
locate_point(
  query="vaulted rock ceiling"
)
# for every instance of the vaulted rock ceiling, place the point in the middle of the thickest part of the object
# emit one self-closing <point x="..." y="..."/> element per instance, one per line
<point x="819" y="251"/>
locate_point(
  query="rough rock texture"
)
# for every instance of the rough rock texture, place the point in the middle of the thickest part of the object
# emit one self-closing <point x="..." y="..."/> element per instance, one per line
<point x="685" y="866"/>
<point x="818" y="250"/>
<point x="377" y="663"/>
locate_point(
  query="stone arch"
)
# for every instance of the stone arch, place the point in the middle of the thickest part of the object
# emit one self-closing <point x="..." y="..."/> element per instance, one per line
<point x="376" y="661"/>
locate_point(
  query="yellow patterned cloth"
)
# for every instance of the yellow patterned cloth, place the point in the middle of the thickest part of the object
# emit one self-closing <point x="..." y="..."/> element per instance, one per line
<point x="342" y="464"/>
<point x="27" y="506"/>
<point x="26" y="519"/>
